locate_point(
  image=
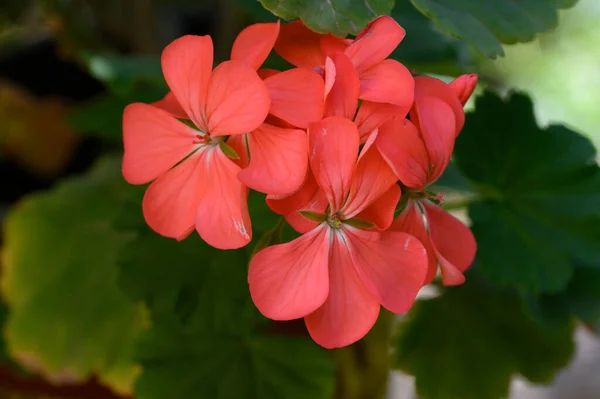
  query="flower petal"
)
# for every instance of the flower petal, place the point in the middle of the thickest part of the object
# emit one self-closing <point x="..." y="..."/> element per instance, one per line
<point x="381" y="211"/>
<point x="317" y="203"/>
<point x="171" y="201"/>
<point x="289" y="281"/>
<point x="375" y="43"/>
<point x="454" y="243"/>
<point x="222" y="219"/>
<point x="238" y="143"/>
<point x="266" y="72"/>
<point x="187" y="65"/>
<point x="372" y="178"/>
<point x="299" y="45"/>
<point x="436" y="122"/>
<point x="170" y="104"/>
<point x="350" y="311"/>
<point x="238" y="100"/>
<point x="279" y="159"/>
<point x="342" y="99"/>
<point x="154" y="142"/>
<point x="401" y="146"/>
<point x="331" y="44"/>
<point x="388" y="82"/>
<point x="411" y="221"/>
<point x="253" y="45"/>
<point x="372" y="114"/>
<point x="333" y="147"/>
<point x="426" y="86"/>
<point x="391" y="264"/>
<point x="284" y="204"/>
<point x="296" y="96"/>
<point x="464" y="86"/>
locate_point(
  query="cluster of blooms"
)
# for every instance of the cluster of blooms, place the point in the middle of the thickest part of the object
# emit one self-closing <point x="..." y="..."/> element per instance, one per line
<point x="338" y="143"/>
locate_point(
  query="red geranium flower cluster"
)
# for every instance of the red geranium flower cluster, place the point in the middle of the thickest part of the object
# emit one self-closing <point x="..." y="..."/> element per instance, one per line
<point x="336" y="143"/>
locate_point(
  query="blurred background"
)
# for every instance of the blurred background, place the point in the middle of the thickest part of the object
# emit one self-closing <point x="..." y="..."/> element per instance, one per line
<point x="68" y="67"/>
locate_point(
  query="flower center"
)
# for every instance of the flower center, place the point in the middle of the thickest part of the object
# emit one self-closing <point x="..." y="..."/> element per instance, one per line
<point x="334" y="221"/>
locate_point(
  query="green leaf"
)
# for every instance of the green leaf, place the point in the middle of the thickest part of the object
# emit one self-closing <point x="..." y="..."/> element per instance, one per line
<point x="469" y="342"/>
<point x="68" y="318"/>
<point x="426" y="48"/>
<point x="539" y="194"/>
<point x="581" y="299"/>
<point x="228" y="150"/>
<point x="486" y="24"/>
<point x="208" y="339"/>
<point x="188" y="364"/>
<point x="339" y="17"/>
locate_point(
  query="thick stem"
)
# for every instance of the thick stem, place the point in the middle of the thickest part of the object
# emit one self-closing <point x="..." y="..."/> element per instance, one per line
<point x="363" y="367"/>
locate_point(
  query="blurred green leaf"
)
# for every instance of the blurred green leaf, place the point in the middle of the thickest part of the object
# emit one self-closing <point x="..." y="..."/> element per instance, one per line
<point x="469" y="342"/>
<point x="339" y="17"/>
<point x="190" y="364"/>
<point x="426" y="48"/>
<point x="121" y="73"/>
<point x="581" y="299"/>
<point x="539" y="190"/>
<point x="68" y="318"/>
<point x="208" y="339"/>
<point x="486" y="24"/>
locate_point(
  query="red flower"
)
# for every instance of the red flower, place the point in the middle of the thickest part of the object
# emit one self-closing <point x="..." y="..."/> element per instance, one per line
<point x="338" y="273"/>
<point x="418" y="151"/>
<point x="195" y="182"/>
<point x="381" y="80"/>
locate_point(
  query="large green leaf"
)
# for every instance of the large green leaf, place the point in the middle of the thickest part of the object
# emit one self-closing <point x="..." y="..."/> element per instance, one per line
<point x="487" y="23"/>
<point x="539" y="194"/>
<point x="425" y="47"/>
<point x="67" y="317"/>
<point x="340" y="17"/>
<point x="469" y="342"/>
<point x="581" y="299"/>
<point x="208" y="339"/>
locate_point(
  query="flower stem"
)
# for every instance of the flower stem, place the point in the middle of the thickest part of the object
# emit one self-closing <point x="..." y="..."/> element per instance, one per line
<point x="363" y="367"/>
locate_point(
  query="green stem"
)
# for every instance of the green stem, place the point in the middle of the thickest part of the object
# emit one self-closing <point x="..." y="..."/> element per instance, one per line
<point x="451" y="206"/>
<point x="363" y="367"/>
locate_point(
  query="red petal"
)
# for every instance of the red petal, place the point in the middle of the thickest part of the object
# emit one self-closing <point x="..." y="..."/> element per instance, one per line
<point x="381" y="211"/>
<point x="333" y="147"/>
<point x="342" y="99"/>
<point x="371" y="114"/>
<point x="187" y="65"/>
<point x="392" y="265"/>
<point x="171" y="202"/>
<point x="238" y="143"/>
<point x="426" y="86"/>
<point x="331" y="44"/>
<point x="279" y="159"/>
<point x="289" y="281"/>
<point x="284" y="204"/>
<point x="436" y="122"/>
<point x="154" y="141"/>
<point x="299" y="45"/>
<point x="350" y="311"/>
<point x="401" y="146"/>
<point x="375" y="43"/>
<point x="296" y="96"/>
<point x="388" y="82"/>
<point x="170" y="104"/>
<point x="265" y="73"/>
<point x="454" y="243"/>
<point x="253" y="45"/>
<point x="372" y="178"/>
<point x="318" y="203"/>
<point x="222" y="219"/>
<point x="238" y="100"/>
<point x="464" y="86"/>
<point x="410" y="221"/>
